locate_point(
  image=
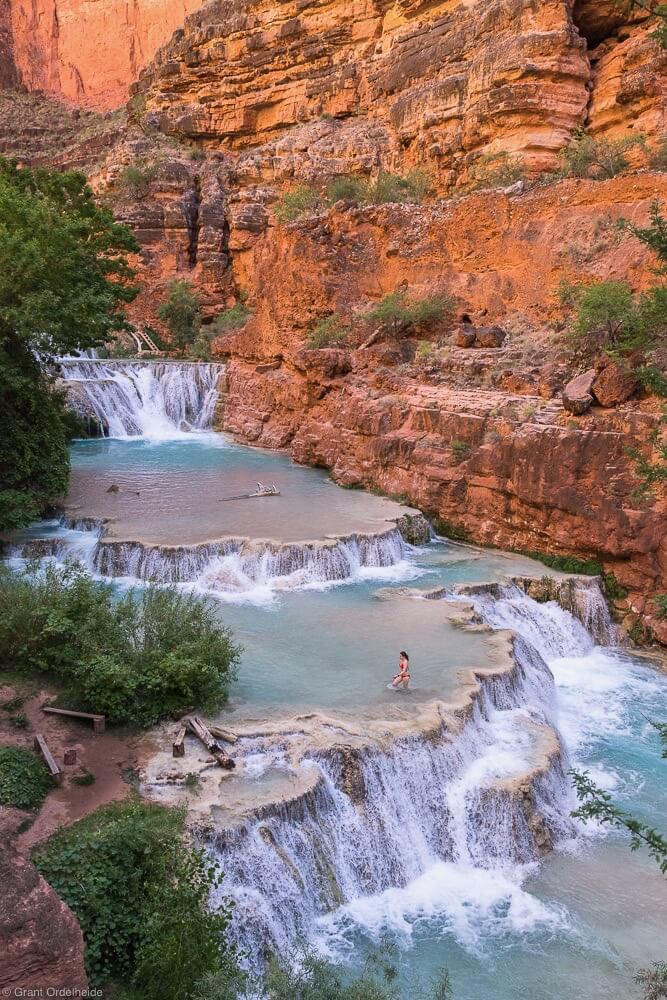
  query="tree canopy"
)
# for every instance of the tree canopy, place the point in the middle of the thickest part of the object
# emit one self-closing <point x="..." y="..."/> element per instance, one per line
<point x="64" y="280"/>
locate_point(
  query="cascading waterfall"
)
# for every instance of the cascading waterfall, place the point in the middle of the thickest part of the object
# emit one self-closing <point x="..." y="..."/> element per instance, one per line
<point x="458" y="799"/>
<point x="156" y="399"/>
<point x="228" y="567"/>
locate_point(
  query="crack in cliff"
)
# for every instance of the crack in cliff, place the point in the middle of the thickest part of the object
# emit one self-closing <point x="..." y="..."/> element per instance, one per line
<point x="192" y="205"/>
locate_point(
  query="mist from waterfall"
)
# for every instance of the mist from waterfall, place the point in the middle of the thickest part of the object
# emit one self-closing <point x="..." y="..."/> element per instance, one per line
<point x="157" y="400"/>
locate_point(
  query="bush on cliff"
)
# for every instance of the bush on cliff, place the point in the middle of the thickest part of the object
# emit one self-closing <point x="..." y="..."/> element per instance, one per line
<point x="401" y="313"/>
<point x="331" y="331"/>
<point x="63" y="283"/>
<point x="494" y="170"/>
<point x="141" y="895"/>
<point x="598" y="159"/>
<point x="136" y="659"/>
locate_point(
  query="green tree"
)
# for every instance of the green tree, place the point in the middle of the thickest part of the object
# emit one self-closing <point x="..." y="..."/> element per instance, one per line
<point x="141" y="895"/>
<point x="151" y="653"/>
<point x="398" y="312"/>
<point x="607" y="319"/>
<point x="181" y="313"/>
<point x="64" y="280"/>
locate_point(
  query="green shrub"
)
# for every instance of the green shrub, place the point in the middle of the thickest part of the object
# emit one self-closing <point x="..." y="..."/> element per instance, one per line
<point x="141" y="896"/>
<point x="661" y="603"/>
<point x="412" y="187"/>
<point x="296" y="203"/>
<point x="181" y="313"/>
<point x="460" y="450"/>
<point x="137" y="659"/>
<point x="658" y="158"/>
<point x="19" y="721"/>
<point x="607" y="319"/>
<point x="232" y="319"/>
<point x="399" y="313"/>
<point x="567" y="564"/>
<point x="24" y="779"/>
<point x="347" y="188"/>
<point x="597" y="158"/>
<point x="653" y="379"/>
<point x="135" y="181"/>
<point x="84" y="779"/>
<point x="494" y="170"/>
<point x="331" y="331"/>
<point x="449" y="529"/>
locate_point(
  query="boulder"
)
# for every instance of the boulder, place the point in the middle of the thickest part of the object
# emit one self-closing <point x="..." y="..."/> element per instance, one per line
<point x="614" y="385"/>
<point x="464" y="337"/>
<point x="577" y="394"/>
<point x="490" y="336"/>
<point x="41" y="944"/>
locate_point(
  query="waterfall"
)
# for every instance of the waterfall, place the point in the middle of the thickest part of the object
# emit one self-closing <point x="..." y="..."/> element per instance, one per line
<point x="234" y="568"/>
<point x="483" y="799"/>
<point x="156" y="399"/>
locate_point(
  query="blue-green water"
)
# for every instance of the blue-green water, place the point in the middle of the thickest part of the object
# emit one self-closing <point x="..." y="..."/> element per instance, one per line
<point x="576" y="925"/>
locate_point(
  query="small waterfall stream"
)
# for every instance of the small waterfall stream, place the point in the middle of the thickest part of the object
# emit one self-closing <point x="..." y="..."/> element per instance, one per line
<point x="151" y="399"/>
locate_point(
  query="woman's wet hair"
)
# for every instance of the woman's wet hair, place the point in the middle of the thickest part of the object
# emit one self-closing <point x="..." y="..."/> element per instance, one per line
<point x="404" y="655"/>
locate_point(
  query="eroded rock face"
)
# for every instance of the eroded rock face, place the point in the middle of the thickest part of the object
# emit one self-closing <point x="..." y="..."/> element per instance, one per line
<point x="405" y="80"/>
<point x="41" y="944"/>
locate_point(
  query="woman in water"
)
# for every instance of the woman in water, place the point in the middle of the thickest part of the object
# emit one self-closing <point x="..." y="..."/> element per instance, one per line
<point x="403" y="675"/>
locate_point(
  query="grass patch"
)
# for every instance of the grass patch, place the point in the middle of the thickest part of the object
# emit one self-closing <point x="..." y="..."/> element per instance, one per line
<point x="24" y="779"/>
<point x="84" y="779"/>
<point x="332" y="331"/>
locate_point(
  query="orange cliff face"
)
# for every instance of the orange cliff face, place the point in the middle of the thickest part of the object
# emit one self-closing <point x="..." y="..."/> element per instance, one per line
<point x="88" y="53"/>
<point x="407" y="82"/>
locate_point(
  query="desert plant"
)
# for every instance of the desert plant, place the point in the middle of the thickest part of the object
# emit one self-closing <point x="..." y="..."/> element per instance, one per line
<point x="135" y="181"/>
<point x="658" y="157"/>
<point x="292" y="205"/>
<point x="347" y="187"/>
<point x="460" y="450"/>
<point x="331" y="331"/>
<point x="411" y="187"/>
<point x="495" y="170"/>
<point x="398" y="312"/>
<point x="587" y="156"/>
<point x="180" y="312"/>
<point x="233" y="318"/>
<point x="607" y="318"/>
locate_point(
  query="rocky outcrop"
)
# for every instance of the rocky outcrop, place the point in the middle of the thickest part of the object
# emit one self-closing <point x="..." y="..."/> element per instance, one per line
<point x="41" y="944"/>
<point x="614" y="385"/>
<point x="406" y="81"/>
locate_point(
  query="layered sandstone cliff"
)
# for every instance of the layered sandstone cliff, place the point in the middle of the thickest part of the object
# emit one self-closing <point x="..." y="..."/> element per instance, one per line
<point x="409" y="82"/>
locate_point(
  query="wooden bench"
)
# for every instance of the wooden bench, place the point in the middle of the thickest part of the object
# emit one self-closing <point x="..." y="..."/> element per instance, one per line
<point x="98" y="721"/>
<point x="179" y="743"/>
<point x="50" y="761"/>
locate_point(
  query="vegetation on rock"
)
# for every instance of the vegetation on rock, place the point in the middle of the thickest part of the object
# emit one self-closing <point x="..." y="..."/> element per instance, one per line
<point x="493" y="170"/>
<point x="587" y="156"/>
<point x="141" y="895"/>
<point x="385" y="188"/>
<point x="24" y="778"/>
<point x="400" y="313"/>
<point x="136" y="659"/>
<point x="332" y="331"/>
<point x="63" y="284"/>
<point x="181" y="313"/>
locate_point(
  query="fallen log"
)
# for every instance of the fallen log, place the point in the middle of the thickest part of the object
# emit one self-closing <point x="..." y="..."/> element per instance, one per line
<point x="223" y="734"/>
<point x="205" y="736"/>
<point x="41" y="747"/>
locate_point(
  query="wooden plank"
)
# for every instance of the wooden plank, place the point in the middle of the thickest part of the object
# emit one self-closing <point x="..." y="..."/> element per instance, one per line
<point x="203" y="734"/>
<point x="178" y="747"/>
<point x="98" y="721"/>
<point x="50" y="761"/>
